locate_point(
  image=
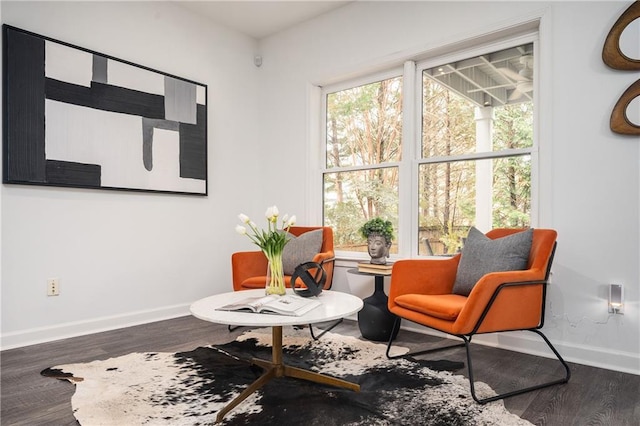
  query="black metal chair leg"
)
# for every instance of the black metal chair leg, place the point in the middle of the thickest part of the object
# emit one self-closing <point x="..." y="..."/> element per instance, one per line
<point x="467" y="344"/>
<point x="519" y="391"/>
<point x="396" y="323"/>
<point x="323" y="331"/>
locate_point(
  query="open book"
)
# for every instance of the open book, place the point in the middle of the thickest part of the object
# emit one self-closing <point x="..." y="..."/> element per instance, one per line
<point x="289" y="304"/>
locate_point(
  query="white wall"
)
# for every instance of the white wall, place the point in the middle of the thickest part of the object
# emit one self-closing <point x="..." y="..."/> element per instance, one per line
<point x="589" y="176"/>
<point x="127" y="257"/>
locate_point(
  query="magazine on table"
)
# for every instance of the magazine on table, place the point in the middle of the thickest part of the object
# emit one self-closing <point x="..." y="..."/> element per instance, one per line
<point x="289" y="304"/>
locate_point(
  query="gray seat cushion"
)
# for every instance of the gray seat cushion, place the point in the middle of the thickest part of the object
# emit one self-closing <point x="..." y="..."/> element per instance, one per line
<point x="482" y="255"/>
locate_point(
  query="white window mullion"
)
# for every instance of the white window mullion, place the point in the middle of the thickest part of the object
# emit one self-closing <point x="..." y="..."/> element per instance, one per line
<point x="537" y="180"/>
<point x="484" y="172"/>
<point x="408" y="213"/>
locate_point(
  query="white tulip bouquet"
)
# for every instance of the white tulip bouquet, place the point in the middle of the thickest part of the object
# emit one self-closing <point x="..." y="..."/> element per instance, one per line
<point x="271" y="241"/>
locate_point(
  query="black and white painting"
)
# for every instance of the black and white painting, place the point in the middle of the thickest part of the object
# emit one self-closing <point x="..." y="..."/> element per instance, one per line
<point x="78" y="118"/>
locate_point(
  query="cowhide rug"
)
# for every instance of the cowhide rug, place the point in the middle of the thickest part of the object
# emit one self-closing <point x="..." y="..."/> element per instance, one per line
<point x="188" y="388"/>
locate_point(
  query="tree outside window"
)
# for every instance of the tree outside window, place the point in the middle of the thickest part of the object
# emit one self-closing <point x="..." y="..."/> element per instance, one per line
<point x="476" y="158"/>
<point x="473" y="160"/>
<point x="363" y="147"/>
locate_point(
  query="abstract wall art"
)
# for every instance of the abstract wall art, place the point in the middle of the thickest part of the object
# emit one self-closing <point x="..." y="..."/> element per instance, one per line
<point x="78" y="118"/>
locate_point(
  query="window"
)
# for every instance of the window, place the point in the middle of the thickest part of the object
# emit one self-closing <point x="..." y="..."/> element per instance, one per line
<point x="471" y="158"/>
<point x="475" y="165"/>
<point x="363" y="151"/>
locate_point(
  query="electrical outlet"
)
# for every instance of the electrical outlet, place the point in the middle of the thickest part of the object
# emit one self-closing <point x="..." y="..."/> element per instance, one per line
<point x="616" y="299"/>
<point x="53" y="287"/>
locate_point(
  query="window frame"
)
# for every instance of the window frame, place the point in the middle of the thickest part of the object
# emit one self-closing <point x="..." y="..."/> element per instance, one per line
<point x="392" y="72"/>
<point x="411" y="72"/>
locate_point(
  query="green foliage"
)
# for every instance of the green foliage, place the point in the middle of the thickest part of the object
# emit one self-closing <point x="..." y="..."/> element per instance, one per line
<point x="378" y="225"/>
<point x="345" y="219"/>
<point x="447" y="191"/>
<point x="364" y="128"/>
<point x="453" y="240"/>
<point x="512" y="176"/>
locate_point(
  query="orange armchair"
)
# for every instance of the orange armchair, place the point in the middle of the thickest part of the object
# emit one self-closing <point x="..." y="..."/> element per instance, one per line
<point x="421" y="291"/>
<point x="249" y="268"/>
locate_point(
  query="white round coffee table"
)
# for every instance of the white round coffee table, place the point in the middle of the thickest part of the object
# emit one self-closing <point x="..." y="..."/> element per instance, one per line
<point x="334" y="305"/>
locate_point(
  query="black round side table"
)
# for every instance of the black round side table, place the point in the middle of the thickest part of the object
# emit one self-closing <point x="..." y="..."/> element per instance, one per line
<point x="374" y="319"/>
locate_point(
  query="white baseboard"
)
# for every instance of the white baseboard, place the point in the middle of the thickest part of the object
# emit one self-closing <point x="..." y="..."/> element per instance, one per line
<point x="529" y="343"/>
<point x="80" y="328"/>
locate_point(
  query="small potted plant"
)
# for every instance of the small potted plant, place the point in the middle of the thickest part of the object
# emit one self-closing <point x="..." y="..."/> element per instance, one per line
<point x="379" y="235"/>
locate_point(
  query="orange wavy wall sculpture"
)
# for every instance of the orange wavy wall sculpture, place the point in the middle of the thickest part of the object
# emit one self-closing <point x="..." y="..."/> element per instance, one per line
<point x="613" y="56"/>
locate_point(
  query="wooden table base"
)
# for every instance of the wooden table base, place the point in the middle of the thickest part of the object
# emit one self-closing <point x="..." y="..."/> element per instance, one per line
<point x="276" y="368"/>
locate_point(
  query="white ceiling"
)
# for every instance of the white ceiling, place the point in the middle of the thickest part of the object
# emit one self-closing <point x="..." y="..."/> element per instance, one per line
<point x="482" y="80"/>
<point x="260" y="19"/>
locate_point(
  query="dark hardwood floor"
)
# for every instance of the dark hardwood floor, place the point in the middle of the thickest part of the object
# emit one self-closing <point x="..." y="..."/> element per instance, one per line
<point x="592" y="397"/>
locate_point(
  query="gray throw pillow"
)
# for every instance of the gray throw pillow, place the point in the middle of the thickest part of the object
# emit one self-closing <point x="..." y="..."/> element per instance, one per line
<point x="482" y="255"/>
<point x="300" y="249"/>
